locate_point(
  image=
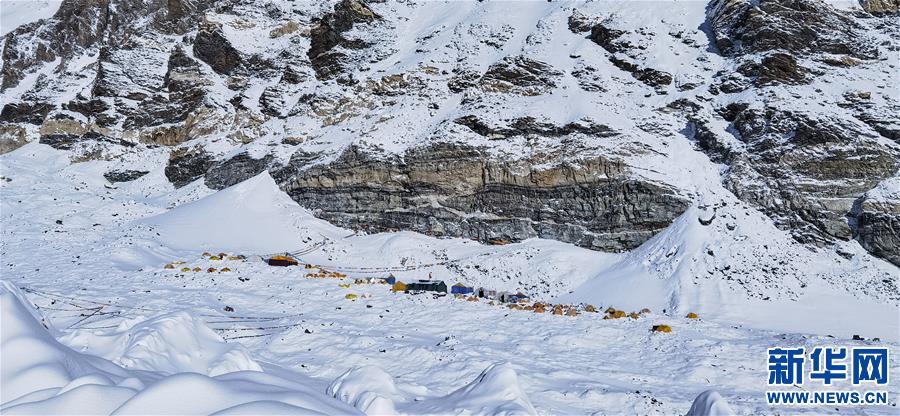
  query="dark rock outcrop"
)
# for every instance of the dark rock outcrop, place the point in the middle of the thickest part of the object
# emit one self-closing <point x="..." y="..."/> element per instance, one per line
<point x="463" y="79"/>
<point x="876" y="225"/>
<point x="81" y="24"/>
<point x="651" y="77"/>
<point x="25" y="112"/>
<point x="805" y="172"/>
<point x="881" y="7"/>
<point x="69" y="141"/>
<point x="187" y="165"/>
<point x="795" y="26"/>
<point x="182" y="73"/>
<point x="235" y="170"/>
<point x="124" y="175"/>
<point x="328" y="45"/>
<point x="607" y="38"/>
<point x="211" y="46"/>
<point x="520" y="75"/>
<point x="777" y="68"/>
<point x="530" y="126"/>
<point x="454" y="190"/>
<point x="579" y="22"/>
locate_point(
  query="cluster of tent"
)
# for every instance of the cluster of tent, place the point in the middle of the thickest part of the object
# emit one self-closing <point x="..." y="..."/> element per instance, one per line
<point x="206" y="255"/>
<point x="222" y="256"/>
<point x="326" y="274"/>
<point x="459" y="290"/>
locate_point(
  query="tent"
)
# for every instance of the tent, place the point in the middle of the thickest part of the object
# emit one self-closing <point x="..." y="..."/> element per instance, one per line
<point x="460" y="289"/>
<point x="282" y="261"/>
<point x="512" y="297"/>
<point x="427" y="286"/>
<point x="398" y="287"/>
<point x="485" y="293"/>
<point x="390" y="279"/>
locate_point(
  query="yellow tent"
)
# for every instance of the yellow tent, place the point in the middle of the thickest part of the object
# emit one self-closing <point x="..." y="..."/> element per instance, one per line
<point x="282" y="261"/>
<point x="661" y="328"/>
<point x="398" y="287"/>
<point x="350" y="296"/>
<point x="185" y="269"/>
<point x="169" y="266"/>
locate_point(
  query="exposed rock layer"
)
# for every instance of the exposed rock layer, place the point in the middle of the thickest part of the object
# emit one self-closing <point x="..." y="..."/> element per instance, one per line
<point x="458" y="191"/>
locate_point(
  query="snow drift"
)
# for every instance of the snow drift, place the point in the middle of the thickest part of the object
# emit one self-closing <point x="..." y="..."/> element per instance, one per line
<point x="368" y="389"/>
<point x="169" y="343"/>
<point x="496" y="391"/>
<point x="710" y="403"/>
<point x="41" y="376"/>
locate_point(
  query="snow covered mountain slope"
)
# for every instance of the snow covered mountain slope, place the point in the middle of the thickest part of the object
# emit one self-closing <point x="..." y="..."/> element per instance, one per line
<point x="560" y="120"/>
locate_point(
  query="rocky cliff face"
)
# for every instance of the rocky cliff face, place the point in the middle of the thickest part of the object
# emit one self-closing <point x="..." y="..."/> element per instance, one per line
<point x="453" y="190"/>
<point x="565" y="120"/>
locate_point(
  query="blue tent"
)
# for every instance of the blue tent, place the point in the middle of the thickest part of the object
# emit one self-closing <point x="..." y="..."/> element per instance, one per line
<point x="460" y="289"/>
<point x="390" y="279"/>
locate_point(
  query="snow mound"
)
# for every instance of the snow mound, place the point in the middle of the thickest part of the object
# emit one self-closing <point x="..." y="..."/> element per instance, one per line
<point x="368" y="389"/>
<point x="253" y="216"/>
<point x="710" y="403"/>
<point x="675" y="271"/>
<point x="32" y="360"/>
<point x="41" y="376"/>
<point x="170" y="343"/>
<point x="496" y="391"/>
<point x="190" y="393"/>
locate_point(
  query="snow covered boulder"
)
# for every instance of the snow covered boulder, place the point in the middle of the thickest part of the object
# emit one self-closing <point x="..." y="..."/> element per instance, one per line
<point x="710" y="403"/>
<point x="368" y="389"/>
